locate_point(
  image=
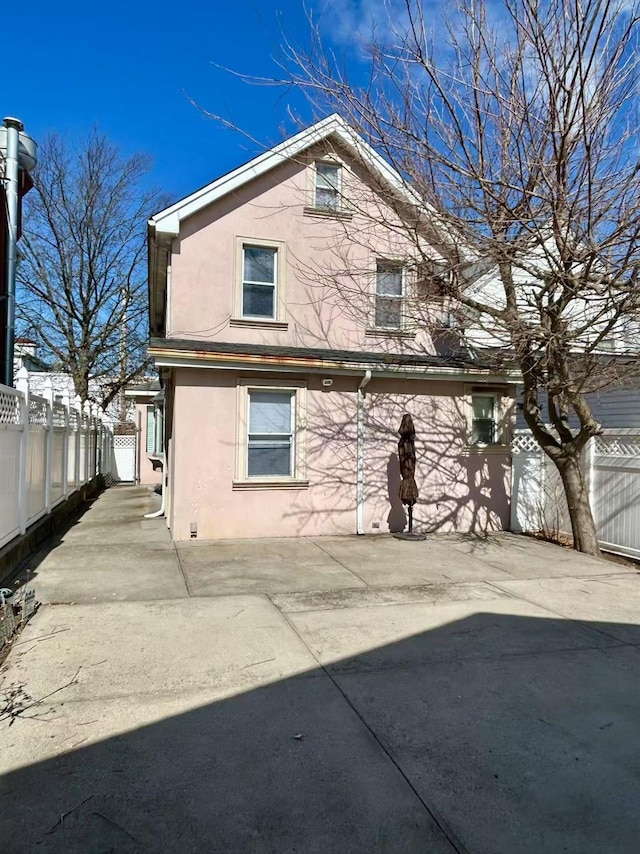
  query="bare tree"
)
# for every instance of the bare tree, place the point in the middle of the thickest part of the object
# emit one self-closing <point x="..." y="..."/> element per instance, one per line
<point x="82" y="280"/>
<point x="514" y="127"/>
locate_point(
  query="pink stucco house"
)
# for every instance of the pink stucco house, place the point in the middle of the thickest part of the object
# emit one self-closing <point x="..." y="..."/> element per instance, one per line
<point x="290" y="326"/>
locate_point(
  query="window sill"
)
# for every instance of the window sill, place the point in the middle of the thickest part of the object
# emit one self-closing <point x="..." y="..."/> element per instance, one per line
<point x="256" y="483"/>
<point x="250" y="323"/>
<point x="383" y="332"/>
<point x="481" y="450"/>
<point x="326" y="212"/>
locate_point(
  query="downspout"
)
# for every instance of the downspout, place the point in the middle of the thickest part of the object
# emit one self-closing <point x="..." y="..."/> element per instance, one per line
<point x="360" y="453"/>
<point x="159" y="512"/>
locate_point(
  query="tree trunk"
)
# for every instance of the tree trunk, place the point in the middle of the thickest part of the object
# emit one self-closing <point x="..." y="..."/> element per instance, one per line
<point x="583" y="526"/>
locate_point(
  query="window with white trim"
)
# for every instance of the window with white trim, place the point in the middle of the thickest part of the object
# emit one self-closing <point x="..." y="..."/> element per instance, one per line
<point x="483" y="420"/>
<point x="270" y="433"/>
<point x="389" y="294"/>
<point x="151" y="429"/>
<point x="327" y="189"/>
<point x="259" y="281"/>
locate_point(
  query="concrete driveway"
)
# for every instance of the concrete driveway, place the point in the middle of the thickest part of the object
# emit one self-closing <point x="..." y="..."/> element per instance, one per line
<point x="320" y="695"/>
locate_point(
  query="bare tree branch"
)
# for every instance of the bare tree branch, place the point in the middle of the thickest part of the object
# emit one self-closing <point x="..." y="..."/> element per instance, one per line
<point x="82" y="280"/>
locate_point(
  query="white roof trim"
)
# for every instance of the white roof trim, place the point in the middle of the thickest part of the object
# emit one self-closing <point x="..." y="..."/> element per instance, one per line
<point x="168" y="221"/>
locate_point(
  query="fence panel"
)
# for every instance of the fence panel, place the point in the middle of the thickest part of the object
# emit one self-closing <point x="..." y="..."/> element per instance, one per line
<point x="527" y="483"/>
<point x="538" y="501"/>
<point x="58" y="452"/>
<point x="125" y="458"/>
<point x="616" y="491"/>
<point x="11" y="430"/>
<point x="72" y="456"/>
<point x="37" y="461"/>
<point x="48" y="449"/>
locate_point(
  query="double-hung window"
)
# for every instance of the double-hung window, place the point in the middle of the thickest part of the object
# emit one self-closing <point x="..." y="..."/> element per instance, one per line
<point x="483" y="421"/>
<point x="270" y="435"/>
<point x="259" y="281"/>
<point x="389" y="294"/>
<point x="327" y="190"/>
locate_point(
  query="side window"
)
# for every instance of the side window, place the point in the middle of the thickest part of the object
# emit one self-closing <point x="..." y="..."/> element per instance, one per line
<point x="389" y="294"/>
<point x="483" y="423"/>
<point x="327" y="189"/>
<point x="270" y="435"/>
<point x="151" y="429"/>
<point x="259" y="281"/>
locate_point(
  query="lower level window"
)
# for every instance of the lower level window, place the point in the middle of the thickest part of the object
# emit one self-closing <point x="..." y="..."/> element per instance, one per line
<point x="270" y="451"/>
<point x="483" y="425"/>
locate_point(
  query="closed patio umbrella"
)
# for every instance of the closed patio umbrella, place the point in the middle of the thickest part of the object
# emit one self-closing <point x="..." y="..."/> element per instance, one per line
<point x="408" y="491"/>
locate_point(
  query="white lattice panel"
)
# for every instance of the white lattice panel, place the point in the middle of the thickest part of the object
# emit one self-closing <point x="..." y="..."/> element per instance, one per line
<point x="38" y="408"/>
<point x="9" y="406"/>
<point x="618" y="446"/>
<point x="59" y="417"/>
<point x="524" y="443"/>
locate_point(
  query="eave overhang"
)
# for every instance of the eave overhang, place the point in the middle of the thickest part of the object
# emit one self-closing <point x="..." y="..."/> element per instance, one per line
<point x="169" y="353"/>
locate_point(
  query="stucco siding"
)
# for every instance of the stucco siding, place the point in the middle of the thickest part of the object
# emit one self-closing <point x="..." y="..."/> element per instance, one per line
<point x="461" y="489"/>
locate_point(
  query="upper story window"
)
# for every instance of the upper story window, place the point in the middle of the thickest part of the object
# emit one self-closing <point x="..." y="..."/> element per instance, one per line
<point x="483" y="420"/>
<point x="259" y="281"/>
<point x="327" y="189"/>
<point x="389" y="294"/>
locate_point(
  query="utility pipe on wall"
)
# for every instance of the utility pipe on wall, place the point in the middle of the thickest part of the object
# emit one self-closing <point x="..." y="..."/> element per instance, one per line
<point x="360" y="453"/>
<point x="11" y="168"/>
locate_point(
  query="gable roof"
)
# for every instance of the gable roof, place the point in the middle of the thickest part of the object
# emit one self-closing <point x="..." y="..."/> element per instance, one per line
<point x="167" y="222"/>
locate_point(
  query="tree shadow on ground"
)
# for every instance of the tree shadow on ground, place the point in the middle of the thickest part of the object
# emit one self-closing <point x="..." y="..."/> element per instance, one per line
<point x="492" y="732"/>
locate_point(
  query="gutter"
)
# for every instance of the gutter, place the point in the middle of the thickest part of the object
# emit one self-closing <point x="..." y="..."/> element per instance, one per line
<point x="164" y="358"/>
<point x="360" y="452"/>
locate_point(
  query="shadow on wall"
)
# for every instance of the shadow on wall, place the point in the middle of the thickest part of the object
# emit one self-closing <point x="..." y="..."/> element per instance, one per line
<point x="461" y="489"/>
<point x="493" y="733"/>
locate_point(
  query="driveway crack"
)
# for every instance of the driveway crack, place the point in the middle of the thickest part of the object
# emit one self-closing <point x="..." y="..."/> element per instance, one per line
<point x="182" y="570"/>
<point x="339" y="562"/>
<point x="442" y="825"/>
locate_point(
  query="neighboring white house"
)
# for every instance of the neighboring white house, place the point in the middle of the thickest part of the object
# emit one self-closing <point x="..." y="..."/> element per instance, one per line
<point x="42" y="378"/>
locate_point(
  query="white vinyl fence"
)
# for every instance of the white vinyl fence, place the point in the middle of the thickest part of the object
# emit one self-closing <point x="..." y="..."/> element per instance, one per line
<point x="612" y="468"/>
<point x="48" y="449"/>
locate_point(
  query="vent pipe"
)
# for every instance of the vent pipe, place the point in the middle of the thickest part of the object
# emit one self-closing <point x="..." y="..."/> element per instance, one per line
<point x="19" y="153"/>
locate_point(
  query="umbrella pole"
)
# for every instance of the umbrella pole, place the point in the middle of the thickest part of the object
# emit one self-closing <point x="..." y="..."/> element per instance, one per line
<point x="410" y="518"/>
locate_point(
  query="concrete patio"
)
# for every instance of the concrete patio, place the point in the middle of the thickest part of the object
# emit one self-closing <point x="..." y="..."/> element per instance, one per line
<point x="320" y="695"/>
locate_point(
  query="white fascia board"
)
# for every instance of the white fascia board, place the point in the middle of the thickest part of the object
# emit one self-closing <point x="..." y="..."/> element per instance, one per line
<point x="344" y="369"/>
<point x="168" y="221"/>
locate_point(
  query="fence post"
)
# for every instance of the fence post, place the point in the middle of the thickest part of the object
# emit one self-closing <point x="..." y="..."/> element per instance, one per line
<point x="65" y="444"/>
<point x="87" y="441"/>
<point x="590" y="461"/>
<point x="48" y="443"/>
<point x="77" y="405"/>
<point x="94" y="440"/>
<point x="22" y="386"/>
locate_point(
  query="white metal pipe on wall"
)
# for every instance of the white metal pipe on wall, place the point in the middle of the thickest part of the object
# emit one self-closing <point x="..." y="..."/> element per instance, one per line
<point x="360" y="453"/>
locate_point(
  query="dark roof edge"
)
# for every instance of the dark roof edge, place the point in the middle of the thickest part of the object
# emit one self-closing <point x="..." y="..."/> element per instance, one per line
<point x="313" y="353"/>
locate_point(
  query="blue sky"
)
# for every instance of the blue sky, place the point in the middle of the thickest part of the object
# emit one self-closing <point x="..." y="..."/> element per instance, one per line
<point x="128" y="65"/>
